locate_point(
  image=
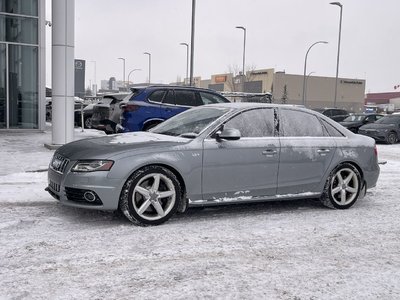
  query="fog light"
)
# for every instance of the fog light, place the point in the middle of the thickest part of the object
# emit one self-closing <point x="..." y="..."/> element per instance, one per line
<point x="89" y="196"/>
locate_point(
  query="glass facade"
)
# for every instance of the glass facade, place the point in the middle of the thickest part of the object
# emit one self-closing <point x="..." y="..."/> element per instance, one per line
<point x="19" y="64"/>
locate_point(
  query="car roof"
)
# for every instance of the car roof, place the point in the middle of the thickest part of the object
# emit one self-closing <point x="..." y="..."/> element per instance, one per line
<point x="185" y="87"/>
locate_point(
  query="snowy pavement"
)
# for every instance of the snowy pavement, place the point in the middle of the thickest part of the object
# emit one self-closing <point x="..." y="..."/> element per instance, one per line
<point x="276" y="250"/>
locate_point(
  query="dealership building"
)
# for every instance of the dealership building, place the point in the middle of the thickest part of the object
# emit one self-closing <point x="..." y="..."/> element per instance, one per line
<point x="22" y="73"/>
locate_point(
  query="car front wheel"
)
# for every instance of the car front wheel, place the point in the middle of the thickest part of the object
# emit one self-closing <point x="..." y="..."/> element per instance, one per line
<point x="150" y="196"/>
<point x="342" y="187"/>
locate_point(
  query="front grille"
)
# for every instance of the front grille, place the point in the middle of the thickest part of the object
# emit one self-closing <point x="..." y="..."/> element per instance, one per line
<point x="59" y="163"/>
<point x="77" y="195"/>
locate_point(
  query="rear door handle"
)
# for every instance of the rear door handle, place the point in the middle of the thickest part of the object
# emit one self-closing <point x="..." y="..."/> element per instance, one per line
<point x="269" y="152"/>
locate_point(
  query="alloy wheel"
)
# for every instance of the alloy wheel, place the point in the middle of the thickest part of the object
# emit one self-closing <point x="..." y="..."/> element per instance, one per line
<point x="154" y="196"/>
<point x="344" y="186"/>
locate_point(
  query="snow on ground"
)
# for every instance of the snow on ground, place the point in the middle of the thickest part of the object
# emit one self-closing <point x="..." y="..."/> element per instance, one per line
<point x="276" y="250"/>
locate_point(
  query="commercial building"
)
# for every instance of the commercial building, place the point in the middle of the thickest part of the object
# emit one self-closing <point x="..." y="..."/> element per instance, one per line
<point x="22" y="64"/>
<point x="288" y="88"/>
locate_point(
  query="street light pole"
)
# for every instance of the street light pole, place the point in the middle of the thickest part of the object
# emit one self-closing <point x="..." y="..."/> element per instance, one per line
<point x="192" y="42"/>
<point x="187" y="60"/>
<point x="338" y="51"/>
<point x="123" y="59"/>
<point x="149" y="54"/>
<point x="305" y="68"/>
<point x="95" y="82"/>
<point x="129" y="74"/>
<point x="244" y="48"/>
<point x="306" y="87"/>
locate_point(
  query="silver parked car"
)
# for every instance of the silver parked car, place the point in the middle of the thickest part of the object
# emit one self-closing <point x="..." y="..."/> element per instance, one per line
<point x="216" y="154"/>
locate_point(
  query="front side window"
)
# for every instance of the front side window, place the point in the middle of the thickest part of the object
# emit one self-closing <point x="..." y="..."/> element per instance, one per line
<point x="254" y="123"/>
<point x="297" y="123"/>
<point x="193" y="121"/>
<point x="186" y="98"/>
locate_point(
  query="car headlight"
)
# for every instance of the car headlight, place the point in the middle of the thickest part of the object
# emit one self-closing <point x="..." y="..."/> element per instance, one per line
<point x="92" y="165"/>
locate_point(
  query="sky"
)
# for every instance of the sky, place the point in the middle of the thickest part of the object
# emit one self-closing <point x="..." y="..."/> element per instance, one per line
<point x="278" y="34"/>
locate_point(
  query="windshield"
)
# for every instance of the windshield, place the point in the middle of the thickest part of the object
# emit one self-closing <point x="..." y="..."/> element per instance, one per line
<point x="354" y="118"/>
<point x="192" y="121"/>
<point x="389" y="120"/>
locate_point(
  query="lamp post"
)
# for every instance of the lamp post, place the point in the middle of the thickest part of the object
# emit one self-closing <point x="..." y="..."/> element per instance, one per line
<point x="338" y="51"/>
<point x="187" y="59"/>
<point x="129" y="74"/>
<point x="192" y="42"/>
<point x="305" y="68"/>
<point x="306" y="87"/>
<point x="244" y="48"/>
<point x="95" y="82"/>
<point x="123" y="74"/>
<point x="149" y="54"/>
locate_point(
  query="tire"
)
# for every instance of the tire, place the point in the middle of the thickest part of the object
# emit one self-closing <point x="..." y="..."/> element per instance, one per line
<point x="147" y="127"/>
<point x="342" y="187"/>
<point x="88" y="122"/>
<point x="392" y="138"/>
<point x="150" y="196"/>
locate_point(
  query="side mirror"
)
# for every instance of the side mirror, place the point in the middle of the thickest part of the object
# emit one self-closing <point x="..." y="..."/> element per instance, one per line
<point x="229" y="134"/>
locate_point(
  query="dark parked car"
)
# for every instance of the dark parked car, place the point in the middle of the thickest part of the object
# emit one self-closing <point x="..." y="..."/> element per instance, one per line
<point x="87" y="116"/>
<point x="355" y="121"/>
<point x="386" y="129"/>
<point x="106" y="112"/>
<point x="152" y="105"/>
<point x="79" y="104"/>
<point x="336" y="114"/>
<point x="214" y="155"/>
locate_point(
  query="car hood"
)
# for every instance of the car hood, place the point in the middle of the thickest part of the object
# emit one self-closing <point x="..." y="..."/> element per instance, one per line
<point x="378" y="126"/>
<point x="108" y="146"/>
<point x="349" y="124"/>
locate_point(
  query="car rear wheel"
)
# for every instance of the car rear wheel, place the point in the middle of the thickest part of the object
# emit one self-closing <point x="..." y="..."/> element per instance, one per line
<point x="150" y="196"/>
<point x="392" y="138"/>
<point x="342" y="187"/>
<point x="88" y="122"/>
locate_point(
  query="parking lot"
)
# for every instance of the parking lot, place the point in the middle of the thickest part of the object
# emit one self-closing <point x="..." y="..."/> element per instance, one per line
<point x="276" y="250"/>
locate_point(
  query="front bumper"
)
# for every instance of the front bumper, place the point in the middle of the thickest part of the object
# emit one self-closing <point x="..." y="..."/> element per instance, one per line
<point x="69" y="188"/>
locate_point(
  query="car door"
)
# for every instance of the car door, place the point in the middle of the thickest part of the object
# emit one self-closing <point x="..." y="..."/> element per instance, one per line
<point x="245" y="168"/>
<point x="306" y="152"/>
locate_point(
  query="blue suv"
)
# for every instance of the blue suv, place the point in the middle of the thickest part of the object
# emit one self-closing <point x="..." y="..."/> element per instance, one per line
<point x="149" y="106"/>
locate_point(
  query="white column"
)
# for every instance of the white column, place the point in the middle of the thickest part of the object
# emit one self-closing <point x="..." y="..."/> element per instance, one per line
<point x="63" y="27"/>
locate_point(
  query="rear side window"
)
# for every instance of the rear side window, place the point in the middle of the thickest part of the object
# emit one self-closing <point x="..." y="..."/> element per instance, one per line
<point x="209" y="98"/>
<point x="169" y="98"/>
<point x="332" y="131"/>
<point x="186" y="98"/>
<point x="156" y="96"/>
<point x="299" y="123"/>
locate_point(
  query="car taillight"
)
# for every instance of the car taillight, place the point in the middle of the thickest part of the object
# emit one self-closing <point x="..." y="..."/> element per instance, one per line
<point x="376" y="151"/>
<point x="129" y="107"/>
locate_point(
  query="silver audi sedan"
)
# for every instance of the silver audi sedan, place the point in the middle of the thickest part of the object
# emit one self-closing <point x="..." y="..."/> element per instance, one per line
<point x="216" y="154"/>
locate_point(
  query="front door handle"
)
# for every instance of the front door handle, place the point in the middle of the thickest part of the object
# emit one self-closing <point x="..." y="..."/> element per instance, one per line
<point x="323" y="151"/>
